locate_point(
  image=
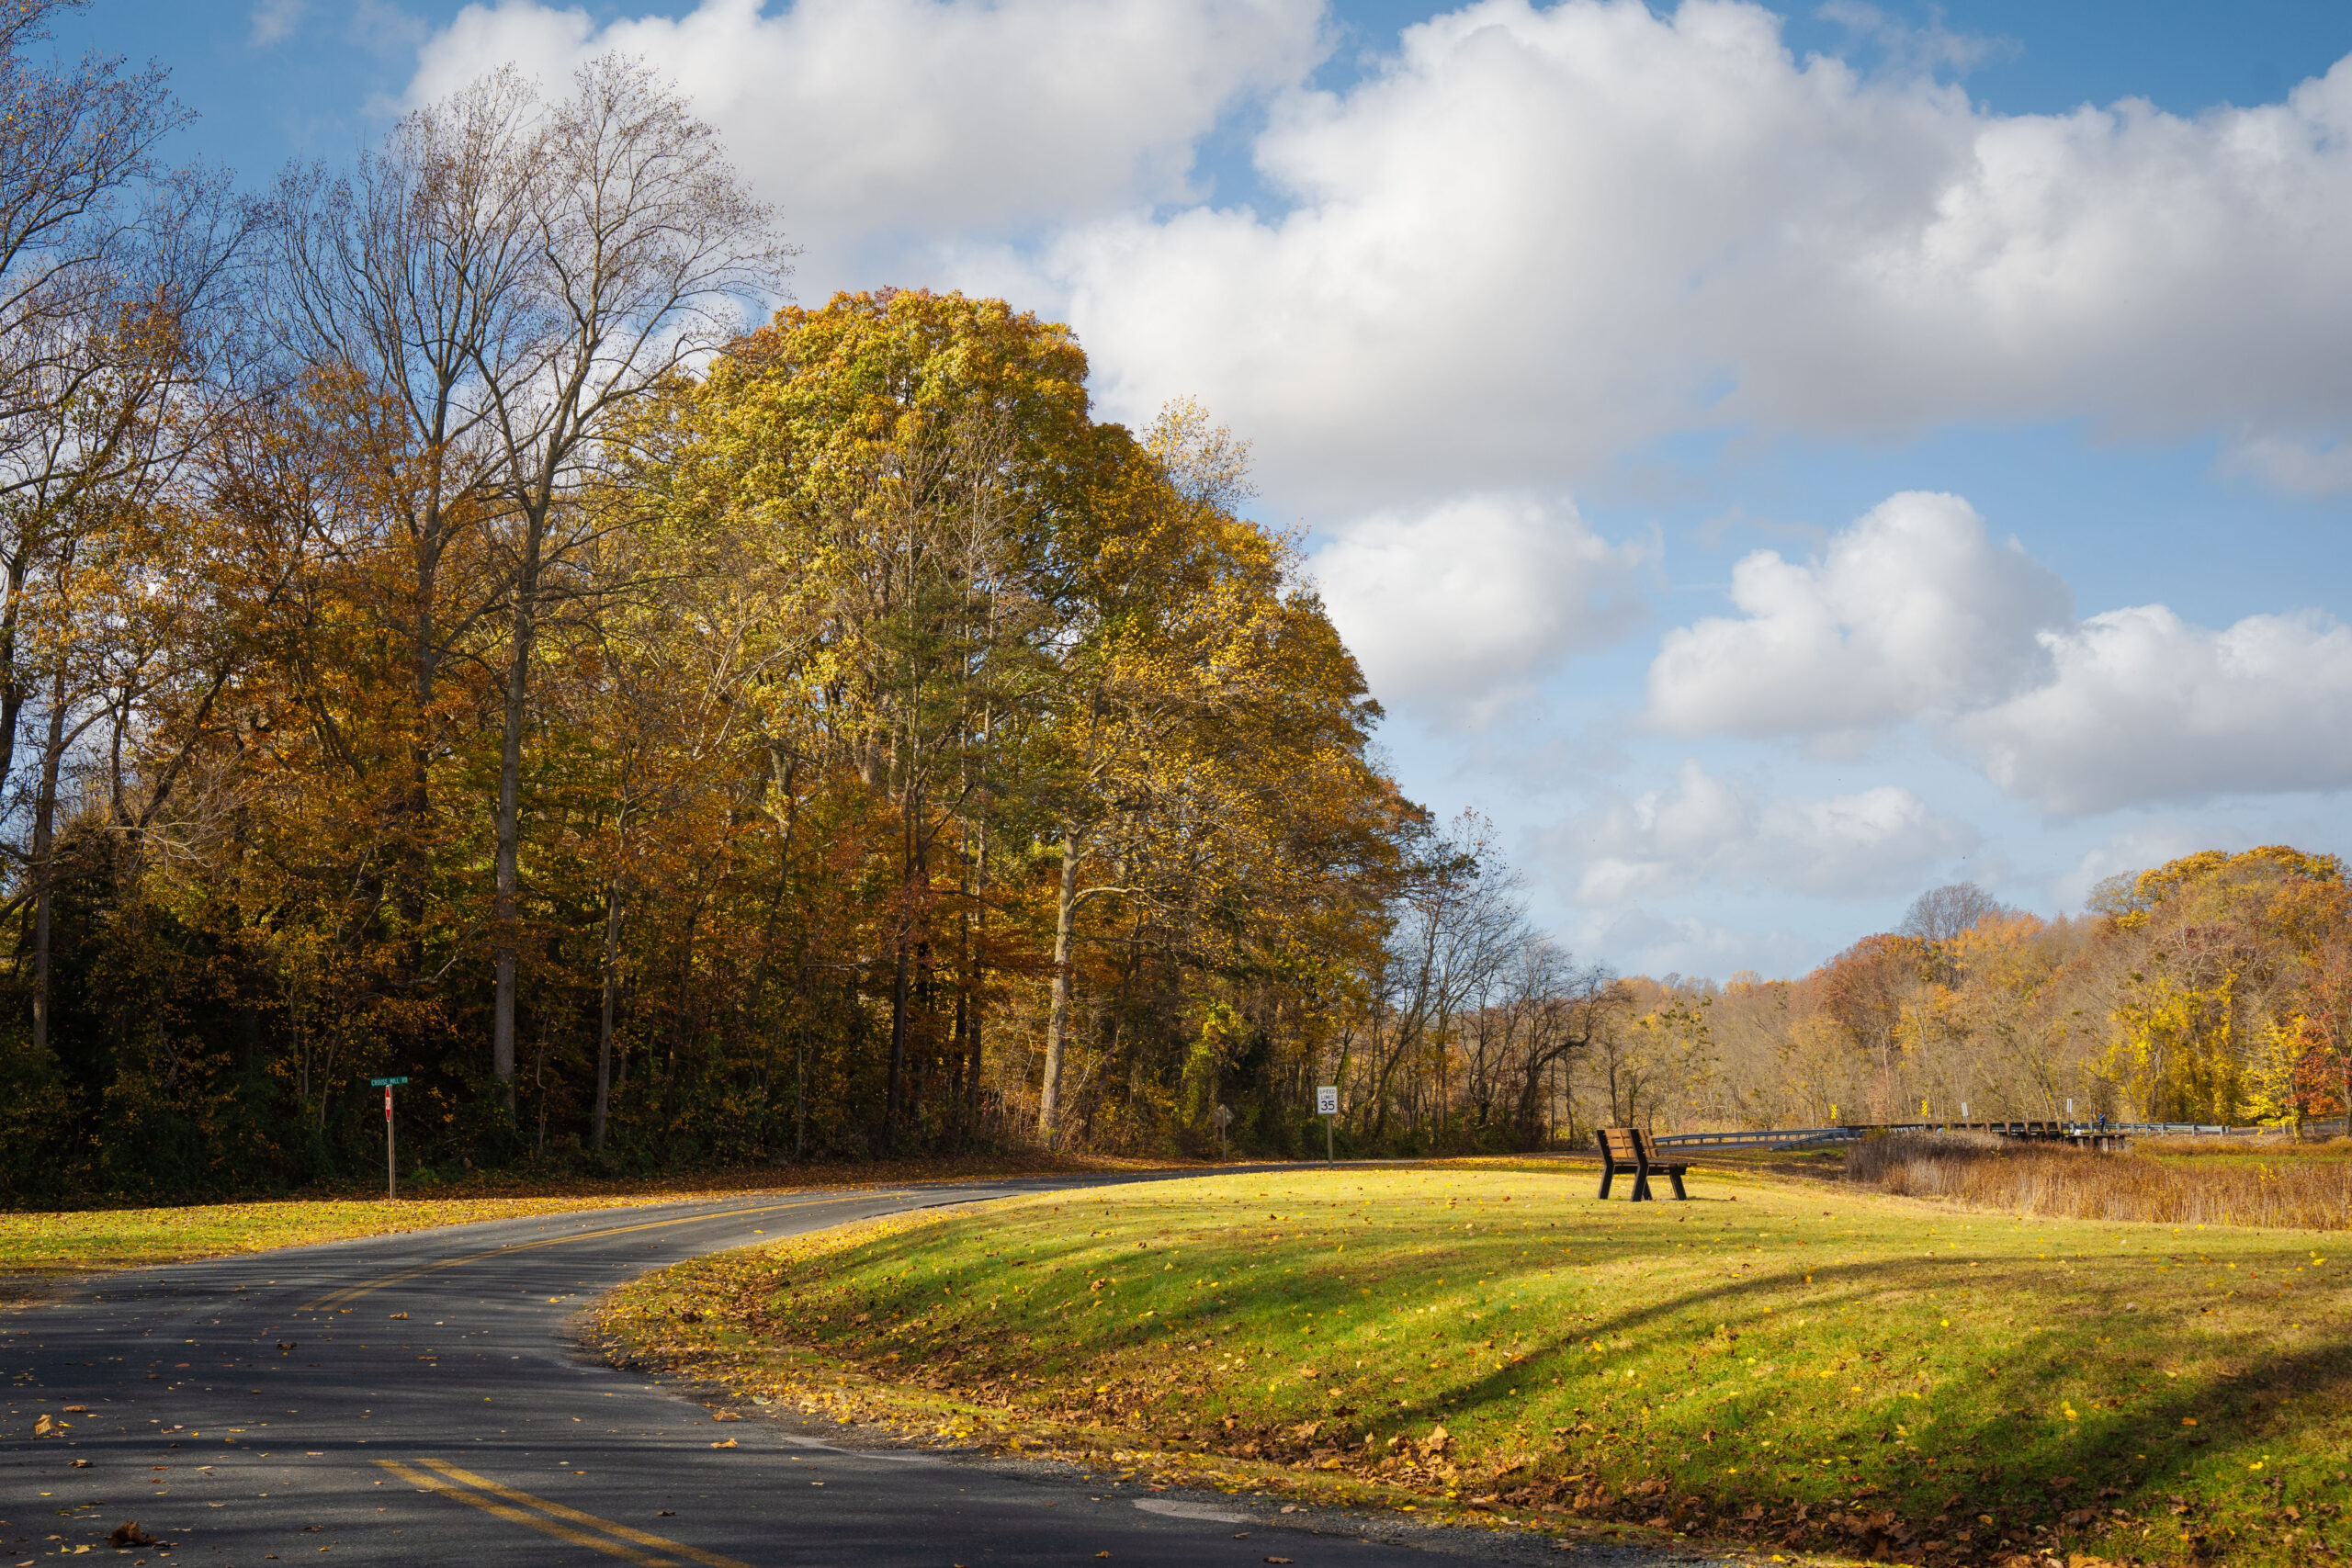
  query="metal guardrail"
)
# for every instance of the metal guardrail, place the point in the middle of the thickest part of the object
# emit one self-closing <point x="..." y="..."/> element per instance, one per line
<point x="1801" y="1138"/>
<point x="1783" y="1138"/>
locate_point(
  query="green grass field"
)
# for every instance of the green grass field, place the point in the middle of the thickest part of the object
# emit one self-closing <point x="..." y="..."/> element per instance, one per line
<point x="1781" y="1360"/>
<point x="37" y="1246"/>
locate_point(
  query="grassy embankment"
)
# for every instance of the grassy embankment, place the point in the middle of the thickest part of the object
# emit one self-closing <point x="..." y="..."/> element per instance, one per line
<point x="37" y="1248"/>
<point x="1781" y="1361"/>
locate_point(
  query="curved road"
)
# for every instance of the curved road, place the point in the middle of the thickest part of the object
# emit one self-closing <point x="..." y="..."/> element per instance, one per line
<point x="278" y="1407"/>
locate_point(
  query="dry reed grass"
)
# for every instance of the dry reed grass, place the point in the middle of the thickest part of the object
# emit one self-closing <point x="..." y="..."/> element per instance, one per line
<point x="2040" y="1179"/>
<point x="2243" y="1148"/>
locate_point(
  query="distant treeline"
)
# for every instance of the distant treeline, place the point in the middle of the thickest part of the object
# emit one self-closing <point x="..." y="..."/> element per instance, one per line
<point x="2214" y="988"/>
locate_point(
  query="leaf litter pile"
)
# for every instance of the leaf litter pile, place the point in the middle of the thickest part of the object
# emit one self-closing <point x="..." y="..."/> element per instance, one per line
<point x="1774" y="1363"/>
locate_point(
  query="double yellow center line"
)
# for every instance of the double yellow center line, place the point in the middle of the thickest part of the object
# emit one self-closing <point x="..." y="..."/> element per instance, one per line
<point x="352" y="1293"/>
<point x="613" y="1539"/>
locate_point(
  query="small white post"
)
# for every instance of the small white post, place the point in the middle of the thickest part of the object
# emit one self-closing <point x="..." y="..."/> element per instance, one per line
<point x="391" y="1178"/>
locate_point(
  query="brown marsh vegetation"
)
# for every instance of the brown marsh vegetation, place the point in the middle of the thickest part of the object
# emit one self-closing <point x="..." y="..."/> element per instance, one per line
<point x="2304" y="1186"/>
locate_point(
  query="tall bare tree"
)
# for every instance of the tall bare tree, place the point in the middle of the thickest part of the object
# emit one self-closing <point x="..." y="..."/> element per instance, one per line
<point x="402" y="298"/>
<point x="646" y="250"/>
<point x="514" y="277"/>
<point x="109" y="273"/>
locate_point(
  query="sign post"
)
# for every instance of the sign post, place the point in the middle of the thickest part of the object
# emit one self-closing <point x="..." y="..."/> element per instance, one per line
<point x="1327" y="1105"/>
<point x="391" y="1185"/>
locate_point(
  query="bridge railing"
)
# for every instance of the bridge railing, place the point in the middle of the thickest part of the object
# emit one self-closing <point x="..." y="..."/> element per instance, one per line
<point x="2068" y="1130"/>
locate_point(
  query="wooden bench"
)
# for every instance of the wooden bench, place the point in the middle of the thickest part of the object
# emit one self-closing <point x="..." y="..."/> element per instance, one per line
<point x="1628" y="1148"/>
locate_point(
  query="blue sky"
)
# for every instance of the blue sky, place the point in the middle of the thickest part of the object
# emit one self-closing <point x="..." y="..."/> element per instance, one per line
<point x="2015" y="335"/>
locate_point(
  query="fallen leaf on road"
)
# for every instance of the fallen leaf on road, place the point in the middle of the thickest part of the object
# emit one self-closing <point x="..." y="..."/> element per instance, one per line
<point x="45" y="1427"/>
<point x="725" y="1415"/>
<point x="81" y="1464"/>
<point x="727" y="1444"/>
<point x="127" y="1533"/>
<point x="1277" y="1559"/>
<point x="77" y="1410"/>
<point x="398" y="1316"/>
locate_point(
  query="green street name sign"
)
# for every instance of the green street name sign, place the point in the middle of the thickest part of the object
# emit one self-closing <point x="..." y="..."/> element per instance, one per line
<point x="381" y="1083"/>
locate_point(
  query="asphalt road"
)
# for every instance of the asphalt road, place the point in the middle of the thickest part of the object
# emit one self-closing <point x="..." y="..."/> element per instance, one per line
<point x="278" y="1407"/>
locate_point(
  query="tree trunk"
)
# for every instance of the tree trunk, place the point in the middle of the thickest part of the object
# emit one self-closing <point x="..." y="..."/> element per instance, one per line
<point x="415" y="871"/>
<point x="1057" y="1016"/>
<point x="44" y="845"/>
<point x="903" y="960"/>
<point x="898" y="1043"/>
<point x="504" y="900"/>
<point x="968" y="1005"/>
<point x="604" y="1016"/>
<point x="13" y="689"/>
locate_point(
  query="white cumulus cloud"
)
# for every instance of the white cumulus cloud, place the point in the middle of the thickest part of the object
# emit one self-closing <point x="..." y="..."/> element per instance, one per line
<point x="2145" y="707"/>
<point x="1643" y="942"/>
<point x="1912" y="611"/>
<point x="1706" y="831"/>
<point x="1915" y="613"/>
<point x="1459" y="608"/>
<point x="1536" y="239"/>
<point x="874" y="123"/>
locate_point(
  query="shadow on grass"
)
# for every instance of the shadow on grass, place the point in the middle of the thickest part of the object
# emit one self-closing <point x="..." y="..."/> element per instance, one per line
<point x="2173" y="1456"/>
<point x="1991" y="1437"/>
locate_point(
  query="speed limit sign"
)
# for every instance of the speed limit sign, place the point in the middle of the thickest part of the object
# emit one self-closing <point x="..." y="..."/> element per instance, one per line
<point x="1326" y="1101"/>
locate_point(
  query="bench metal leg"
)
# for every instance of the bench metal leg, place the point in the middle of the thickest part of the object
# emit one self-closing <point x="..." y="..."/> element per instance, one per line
<point x="1676" y="1177"/>
<point x="1642" y="1185"/>
<point x="1608" y="1173"/>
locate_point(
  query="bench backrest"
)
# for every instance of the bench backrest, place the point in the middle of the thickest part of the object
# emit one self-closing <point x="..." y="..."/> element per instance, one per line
<point x="1624" y="1143"/>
